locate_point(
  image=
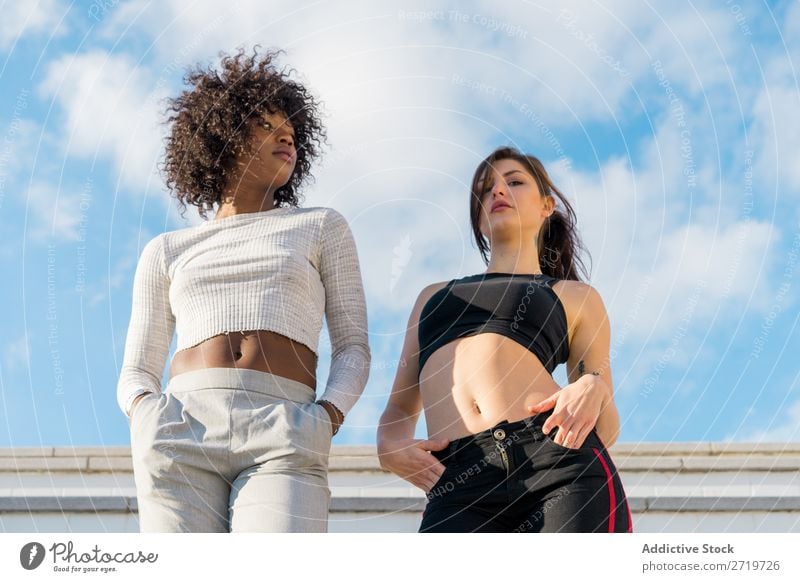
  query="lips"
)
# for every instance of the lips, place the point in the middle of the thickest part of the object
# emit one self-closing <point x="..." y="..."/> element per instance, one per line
<point x="499" y="205"/>
<point x="284" y="154"/>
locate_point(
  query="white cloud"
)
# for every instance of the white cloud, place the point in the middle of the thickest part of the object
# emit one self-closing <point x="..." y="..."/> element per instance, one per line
<point x="110" y="112"/>
<point x="411" y="169"/>
<point x="21" y="18"/>
<point x="408" y="125"/>
<point x="773" y="128"/>
<point x="776" y="130"/>
<point x="656" y="240"/>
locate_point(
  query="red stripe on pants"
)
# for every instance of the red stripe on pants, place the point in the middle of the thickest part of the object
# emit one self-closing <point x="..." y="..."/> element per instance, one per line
<point x="612" y="497"/>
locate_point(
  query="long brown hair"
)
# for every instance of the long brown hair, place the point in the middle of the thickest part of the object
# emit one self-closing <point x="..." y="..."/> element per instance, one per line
<point x="558" y="241"/>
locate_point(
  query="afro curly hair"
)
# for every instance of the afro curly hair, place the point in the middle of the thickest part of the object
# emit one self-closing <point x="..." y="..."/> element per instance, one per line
<point x="209" y="126"/>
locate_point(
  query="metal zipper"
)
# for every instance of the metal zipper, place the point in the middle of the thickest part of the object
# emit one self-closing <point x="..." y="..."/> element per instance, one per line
<point x="504" y="455"/>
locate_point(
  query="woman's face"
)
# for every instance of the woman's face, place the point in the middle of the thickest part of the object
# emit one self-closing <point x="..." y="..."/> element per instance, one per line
<point x="275" y="155"/>
<point x="511" y="201"/>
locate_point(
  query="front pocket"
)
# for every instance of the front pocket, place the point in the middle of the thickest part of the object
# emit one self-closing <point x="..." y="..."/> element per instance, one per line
<point x="325" y="418"/>
<point x="316" y="433"/>
<point x="141" y="425"/>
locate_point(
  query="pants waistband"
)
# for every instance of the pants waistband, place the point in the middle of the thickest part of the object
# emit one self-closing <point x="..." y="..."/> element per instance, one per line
<point x="243" y="379"/>
<point x="503" y="433"/>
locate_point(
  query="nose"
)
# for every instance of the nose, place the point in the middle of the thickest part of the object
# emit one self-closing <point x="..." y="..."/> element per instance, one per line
<point x="286" y="139"/>
<point x="499" y="187"/>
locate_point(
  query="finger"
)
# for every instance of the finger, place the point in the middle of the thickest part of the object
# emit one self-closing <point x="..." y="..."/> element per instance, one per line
<point x="557" y="419"/>
<point x="564" y="429"/>
<point x="434" y="444"/>
<point x="425" y="484"/>
<point x="430" y="480"/>
<point x="560" y="436"/>
<point x="576" y="436"/>
<point x="545" y="404"/>
<point x="429" y="468"/>
<point x="570" y="438"/>
<point x="582" y="435"/>
<point x="420" y="479"/>
<point x="436" y="469"/>
<point x="567" y="422"/>
<point x="435" y="476"/>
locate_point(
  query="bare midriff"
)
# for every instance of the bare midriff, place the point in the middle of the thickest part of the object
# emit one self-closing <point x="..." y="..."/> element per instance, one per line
<point x="472" y="383"/>
<point x="262" y="350"/>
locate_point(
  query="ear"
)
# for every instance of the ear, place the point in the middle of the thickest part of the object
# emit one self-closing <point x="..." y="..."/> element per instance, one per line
<point x="549" y="206"/>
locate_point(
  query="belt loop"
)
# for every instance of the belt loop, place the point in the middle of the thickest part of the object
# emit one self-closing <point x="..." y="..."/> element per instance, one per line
<point x="533" y="426"/>
<point x="531" y="430"/>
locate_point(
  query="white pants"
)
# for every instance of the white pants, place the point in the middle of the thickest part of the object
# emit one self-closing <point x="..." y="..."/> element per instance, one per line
<point x="231" y="449"/>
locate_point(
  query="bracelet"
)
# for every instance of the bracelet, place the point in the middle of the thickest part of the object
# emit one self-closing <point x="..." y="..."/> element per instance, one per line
<point x="138" y="392"/>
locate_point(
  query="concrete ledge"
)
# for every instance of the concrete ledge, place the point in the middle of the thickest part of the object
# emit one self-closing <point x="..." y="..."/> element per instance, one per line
<point x="80" y="451"/>
<point x="45" y="464"/>
<point x="658" y="449"/>
<point x="630" y="458"/>
<point x="117" y="504"/>
<point x="647" y="464"/>
<point x="776" y="462"/>
<point x="721" y="504"/>
<point x="377" y="504"/>
<point x="627" y="449"/>
<point x="67" y="504"/>
<point x="772" y="463"/>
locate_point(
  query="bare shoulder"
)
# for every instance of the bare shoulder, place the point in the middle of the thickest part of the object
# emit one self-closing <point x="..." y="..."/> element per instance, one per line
<point x="407" y="375"/>
<point x="579" y="300"/>
<point x="429" y="290"/>
<point x="579" y="291"/>
<point x="424" y="296"/>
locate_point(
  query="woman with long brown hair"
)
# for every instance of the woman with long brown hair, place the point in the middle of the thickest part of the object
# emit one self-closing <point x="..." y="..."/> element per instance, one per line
<point x="508" y="450"/>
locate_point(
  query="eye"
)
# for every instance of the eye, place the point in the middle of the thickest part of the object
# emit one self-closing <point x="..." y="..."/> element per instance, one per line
<point x="514" y="182"/>
<point x="266" y="125"/>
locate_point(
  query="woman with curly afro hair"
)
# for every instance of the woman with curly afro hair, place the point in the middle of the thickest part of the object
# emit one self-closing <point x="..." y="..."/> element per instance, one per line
<point x="238" y="441"/>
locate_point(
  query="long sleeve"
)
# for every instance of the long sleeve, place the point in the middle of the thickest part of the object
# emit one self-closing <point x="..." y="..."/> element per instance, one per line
<point x="152" y="324"/>
<point x="345" y="312"/>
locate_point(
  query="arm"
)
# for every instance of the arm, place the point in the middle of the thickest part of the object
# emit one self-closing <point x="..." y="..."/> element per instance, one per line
<point x="589" y="361"/>
<point x="398" y="451"/>
<point x="150" y="329"/>
<point x="587" y="401"/>
<point x="346" y="314"/>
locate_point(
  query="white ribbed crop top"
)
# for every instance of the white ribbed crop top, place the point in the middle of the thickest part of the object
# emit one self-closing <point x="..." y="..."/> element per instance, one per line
<point x="279" y="270"/>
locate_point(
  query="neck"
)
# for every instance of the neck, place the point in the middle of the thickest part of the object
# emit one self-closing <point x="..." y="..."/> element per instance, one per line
<point x="245" y="198"/>
<point x="513" y="258"/>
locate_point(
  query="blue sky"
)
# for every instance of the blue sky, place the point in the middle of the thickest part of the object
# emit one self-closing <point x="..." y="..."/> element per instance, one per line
<point x="673" y="131"/>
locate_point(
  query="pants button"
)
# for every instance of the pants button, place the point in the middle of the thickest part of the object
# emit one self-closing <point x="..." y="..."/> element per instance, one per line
<point x="499" y="434"/>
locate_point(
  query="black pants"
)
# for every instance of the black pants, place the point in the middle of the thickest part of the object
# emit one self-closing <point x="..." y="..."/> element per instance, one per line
<point x="514" y="478"/>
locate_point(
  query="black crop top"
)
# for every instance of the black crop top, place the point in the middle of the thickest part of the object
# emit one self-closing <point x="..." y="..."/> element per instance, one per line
<point x="523" y="307"/>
